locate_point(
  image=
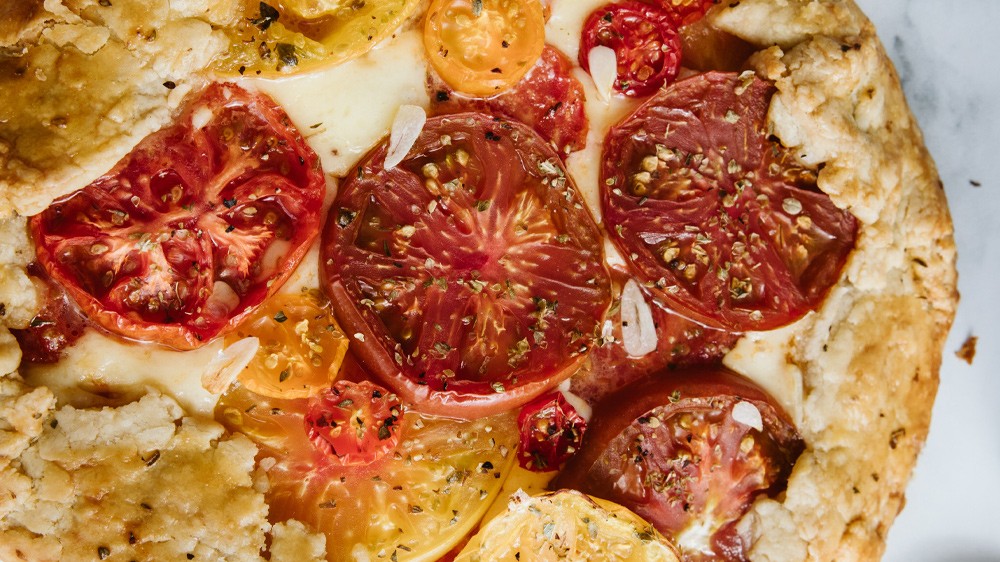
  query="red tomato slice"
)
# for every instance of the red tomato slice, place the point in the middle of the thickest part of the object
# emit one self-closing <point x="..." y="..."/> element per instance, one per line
<point x="681" y="343"/>
<point x="645" y="40"/>
<point x="716" y="217"/>
<point x="670" y="448"/>
<point x="194" y="228"/>
<point x="551" y="431"/>
<point x="549" y="98"/>
<point x="471" y="276"/>
<point x="355" y="423"/>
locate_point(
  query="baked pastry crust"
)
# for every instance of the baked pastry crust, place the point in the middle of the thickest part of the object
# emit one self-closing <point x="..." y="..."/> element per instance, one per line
<point x="869" y="357"/>
<point x="83" y="81"/>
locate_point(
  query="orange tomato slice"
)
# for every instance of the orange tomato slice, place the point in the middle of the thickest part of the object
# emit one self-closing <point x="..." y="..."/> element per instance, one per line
<point x="301" y="347"/>
<point x="480" y="47"/>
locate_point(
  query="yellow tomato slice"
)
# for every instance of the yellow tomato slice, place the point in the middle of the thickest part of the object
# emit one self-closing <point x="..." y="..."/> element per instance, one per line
<point x="301" y="347"/>
<point x="567" y="525"/>
<point x="414" y="503"/>
<point x="291" y="35"/>
<point x="480" y="47"/>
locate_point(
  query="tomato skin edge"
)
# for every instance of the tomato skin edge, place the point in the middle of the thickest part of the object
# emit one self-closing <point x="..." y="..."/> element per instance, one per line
<point x="422" y="398"/>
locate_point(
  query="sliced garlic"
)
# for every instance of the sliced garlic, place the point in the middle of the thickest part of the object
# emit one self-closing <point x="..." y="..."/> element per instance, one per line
<point x="638" y="328"/>
<point x="611" y="254"/>
<point x="222" y="301"/>
<point x="228" y="364"/>
<point x="200" y="117"/>
<point x="581" y="405"/>
<point x="406" y="128"/>
<point x="603" y="70"/>
<point x="748" y="415"/>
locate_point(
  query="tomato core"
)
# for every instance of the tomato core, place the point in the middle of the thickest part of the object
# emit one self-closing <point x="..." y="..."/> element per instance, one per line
<point x="551" y="431"/>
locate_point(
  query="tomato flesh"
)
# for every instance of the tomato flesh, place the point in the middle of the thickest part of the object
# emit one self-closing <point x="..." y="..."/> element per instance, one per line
<point x="644" y="39"/>
<point x="471" y="275"/>
<point x="551" y="431"/>
<point x="194" y="228"/>
<point x="55" y="327"/>
<point x="549" y="99"/>
<point x="356" y="423"/>
<point x="716" y="217"/>
<point x="670" y="448"/>
<point x="486" y="46"/>
<point x="301" y="346"/>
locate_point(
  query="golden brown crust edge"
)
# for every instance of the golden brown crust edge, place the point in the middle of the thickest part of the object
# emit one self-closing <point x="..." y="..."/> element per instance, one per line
<point x="870" y="356"/>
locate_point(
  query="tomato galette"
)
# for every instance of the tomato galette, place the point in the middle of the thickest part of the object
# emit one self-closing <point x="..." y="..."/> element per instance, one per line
<point x="460" y="280"/>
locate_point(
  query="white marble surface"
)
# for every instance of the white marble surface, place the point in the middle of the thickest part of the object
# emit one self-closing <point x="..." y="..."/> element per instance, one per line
<point x="948" y="57"/>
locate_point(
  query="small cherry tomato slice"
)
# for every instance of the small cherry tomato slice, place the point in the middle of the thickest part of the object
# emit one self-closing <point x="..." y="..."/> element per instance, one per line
<point x="418" y="501"/>
<point x="193" y="229"/>
<point x="471" y="276"/>
<point x="716" y="217"/>
<point x="679" y="449"/>
<point x="551" y="431"/>
<point x="680" y="343"/>
<point x="356" y="423"/>
<point x="549" y="99"/>
<point x="644" y="39"/>
<point x="481" y="47"/>
<point x="301" y="346"/>
<point x="297" y="35"/>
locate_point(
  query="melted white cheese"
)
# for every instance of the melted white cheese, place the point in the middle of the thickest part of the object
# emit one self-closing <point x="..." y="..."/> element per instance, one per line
<point x="345" y="110"/>
<point x="564" y="28"/>
<point x="103" y="365"/>
<point x="764" y="358"/>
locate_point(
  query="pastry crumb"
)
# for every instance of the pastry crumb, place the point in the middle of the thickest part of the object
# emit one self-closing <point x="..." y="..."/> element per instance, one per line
<point x="967" y="352"/>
